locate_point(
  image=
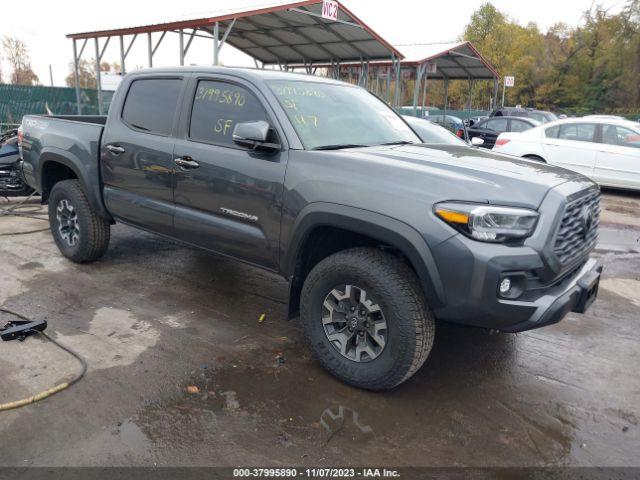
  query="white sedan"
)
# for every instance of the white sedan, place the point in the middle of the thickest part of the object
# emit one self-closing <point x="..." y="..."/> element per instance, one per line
<point x="604" y="149"/>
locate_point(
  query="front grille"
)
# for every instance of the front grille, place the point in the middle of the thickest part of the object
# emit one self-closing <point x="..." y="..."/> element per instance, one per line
<point x="574" y="240"/>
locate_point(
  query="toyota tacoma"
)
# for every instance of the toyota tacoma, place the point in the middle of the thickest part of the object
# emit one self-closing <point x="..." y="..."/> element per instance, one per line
<point x="379" y="234"/>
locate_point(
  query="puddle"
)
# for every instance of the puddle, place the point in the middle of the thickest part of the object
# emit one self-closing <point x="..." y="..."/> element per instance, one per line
<point x="114" y="338"/>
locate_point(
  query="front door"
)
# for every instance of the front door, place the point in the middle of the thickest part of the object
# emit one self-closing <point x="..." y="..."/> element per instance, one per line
<point x="137" y="154"/>
<point x="228" y="199"/>
<point x="572" y="146"/>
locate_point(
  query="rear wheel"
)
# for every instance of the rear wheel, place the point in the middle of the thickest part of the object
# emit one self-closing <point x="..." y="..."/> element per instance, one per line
<point x="80" y="234"/>
<point x="365" y="318"/>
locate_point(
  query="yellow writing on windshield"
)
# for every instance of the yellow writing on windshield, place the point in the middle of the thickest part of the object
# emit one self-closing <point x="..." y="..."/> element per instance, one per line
<point x="307" y="120"/>
<point x="290" y="90"/>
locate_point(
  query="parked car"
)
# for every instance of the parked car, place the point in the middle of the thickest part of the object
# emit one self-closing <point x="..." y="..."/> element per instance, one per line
<point x="605" y="117"/>
<point x="489" y="129"/>
<point x="417" y="111"/>
<point x="321" y="182"/>
<point x="604" y="149"/>
<point x="450" y="122"/>
<point x="541" y="116"/>
<point x="474" y="120"/>
<point x="432" y="133"/>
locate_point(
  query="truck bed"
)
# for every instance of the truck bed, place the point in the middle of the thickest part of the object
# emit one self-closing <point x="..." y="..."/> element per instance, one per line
<point x="73" y="140"/>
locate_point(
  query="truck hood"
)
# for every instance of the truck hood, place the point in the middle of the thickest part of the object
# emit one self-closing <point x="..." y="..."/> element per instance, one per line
<point x="451" y="172"/>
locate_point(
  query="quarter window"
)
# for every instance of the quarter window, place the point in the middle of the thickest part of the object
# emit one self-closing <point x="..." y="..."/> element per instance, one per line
<point x="519" y="126"/>
<point x="552" y="132"/>
<point x="581" y="132"/>
<point x="218" y="107"/>
<point x="624" y="137"/>
<point x="151" y="104"/>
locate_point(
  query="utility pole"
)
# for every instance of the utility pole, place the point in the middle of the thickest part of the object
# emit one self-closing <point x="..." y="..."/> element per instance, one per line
<point x="50" y="75"/>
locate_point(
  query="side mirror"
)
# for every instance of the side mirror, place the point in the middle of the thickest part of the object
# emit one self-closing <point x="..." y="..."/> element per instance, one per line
<point x="254" y="136"/>
<point x="477" y="141"/>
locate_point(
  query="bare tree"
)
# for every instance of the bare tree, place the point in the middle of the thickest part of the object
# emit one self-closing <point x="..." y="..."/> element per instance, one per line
<point x="17" y="55"/>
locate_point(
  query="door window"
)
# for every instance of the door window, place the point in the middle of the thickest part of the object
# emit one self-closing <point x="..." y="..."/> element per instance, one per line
<point x="497" y="124"/>
<point x="621" y="136"/>
<point x="151" y="104"/>
<point x="218" y="107"/>
<point x="581" y="132"/>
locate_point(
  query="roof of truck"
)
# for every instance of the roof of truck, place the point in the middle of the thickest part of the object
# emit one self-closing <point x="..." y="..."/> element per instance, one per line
<point x="242" y="72"/>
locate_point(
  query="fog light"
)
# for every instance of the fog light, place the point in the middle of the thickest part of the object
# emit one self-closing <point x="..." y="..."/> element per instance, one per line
<point x="505" y="286"/>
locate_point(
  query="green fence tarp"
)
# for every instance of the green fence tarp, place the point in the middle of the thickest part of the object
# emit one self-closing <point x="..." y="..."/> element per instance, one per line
<point x="19" y="100"/>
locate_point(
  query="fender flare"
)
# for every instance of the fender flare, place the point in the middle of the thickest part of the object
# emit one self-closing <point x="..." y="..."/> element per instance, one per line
<point x="91" y="188"/>
<point x="380" y="227"/>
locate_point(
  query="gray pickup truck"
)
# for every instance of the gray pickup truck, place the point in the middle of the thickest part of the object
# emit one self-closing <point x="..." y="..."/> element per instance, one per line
<point x="378" y="233"/>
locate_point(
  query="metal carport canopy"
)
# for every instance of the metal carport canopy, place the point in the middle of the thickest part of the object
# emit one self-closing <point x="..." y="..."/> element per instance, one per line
<point x="455" y="61"/>
<point x="282" y="33"/>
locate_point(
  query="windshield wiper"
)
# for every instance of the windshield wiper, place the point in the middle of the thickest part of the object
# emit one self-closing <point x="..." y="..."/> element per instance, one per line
<point x="338" y="146"/>
<point x="398" y="142"/>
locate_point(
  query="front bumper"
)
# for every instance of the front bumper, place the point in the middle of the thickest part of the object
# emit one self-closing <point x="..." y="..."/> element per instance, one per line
<point x="575" y="295"/>
<point x="471" y="272"/>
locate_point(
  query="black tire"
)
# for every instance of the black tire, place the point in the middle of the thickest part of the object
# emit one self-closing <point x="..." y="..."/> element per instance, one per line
<point x="395" y="288"/>
<point x="94" y="231"/>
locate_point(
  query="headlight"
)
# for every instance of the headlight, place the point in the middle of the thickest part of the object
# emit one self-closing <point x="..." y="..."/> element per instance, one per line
<point x="488" y="223"/>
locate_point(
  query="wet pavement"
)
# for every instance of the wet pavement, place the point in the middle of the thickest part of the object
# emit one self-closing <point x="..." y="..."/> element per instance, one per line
<point x="155" y="319"/>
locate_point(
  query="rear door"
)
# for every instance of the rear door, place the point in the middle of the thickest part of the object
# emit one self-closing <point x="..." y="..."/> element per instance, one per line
<point x="230" y="200"/>
<point x="572" y="146"/>
<point x="618" y="157"/>
<point x="137" y="153"/>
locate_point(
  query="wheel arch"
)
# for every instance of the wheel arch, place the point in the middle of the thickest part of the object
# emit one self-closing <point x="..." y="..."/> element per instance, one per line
<point x="534" y="156"/>
<point x="55" y="166"/>
<point x="351" y="227"/>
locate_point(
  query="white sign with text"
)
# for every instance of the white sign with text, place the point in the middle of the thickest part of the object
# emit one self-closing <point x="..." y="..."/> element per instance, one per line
<point x="329" y="10"/>
<point x="509" y="81"/>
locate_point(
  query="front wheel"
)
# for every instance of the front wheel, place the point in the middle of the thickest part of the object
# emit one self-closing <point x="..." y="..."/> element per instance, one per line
<point x="366" y="319"/>
<point x="80" y="234"/>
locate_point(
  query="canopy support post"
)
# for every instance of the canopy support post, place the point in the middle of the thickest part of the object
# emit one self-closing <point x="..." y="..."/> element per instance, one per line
<point x="470" y="97"/>
<point x="424" y="91"/>
<point x="416" y="89"/>
<point x="446" y="95"/>
<point x="181" y="39"/>
<point x="495" y="93"/>
<point x="98" y="81"/>
<point x="122" y="57"/>
<point x="149" y="49"/>
<point x="76" y="76"/>
<point x="396" y="98"/>
<point x="216" y="43"/>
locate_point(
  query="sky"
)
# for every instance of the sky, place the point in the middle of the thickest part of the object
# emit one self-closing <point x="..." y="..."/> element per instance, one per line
<point x="398" y="21"/>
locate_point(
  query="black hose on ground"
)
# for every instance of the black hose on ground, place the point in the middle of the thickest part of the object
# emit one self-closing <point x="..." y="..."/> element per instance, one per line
<point x="51" y="391"/>
<point x="22" y="209"/>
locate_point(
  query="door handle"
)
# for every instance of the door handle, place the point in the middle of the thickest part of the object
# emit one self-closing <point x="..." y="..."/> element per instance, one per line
<point x="186" y="162"/>
<point x="115" y="149"/>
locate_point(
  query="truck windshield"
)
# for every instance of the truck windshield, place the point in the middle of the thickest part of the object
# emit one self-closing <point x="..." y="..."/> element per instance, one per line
<point x="330" y="116"/>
